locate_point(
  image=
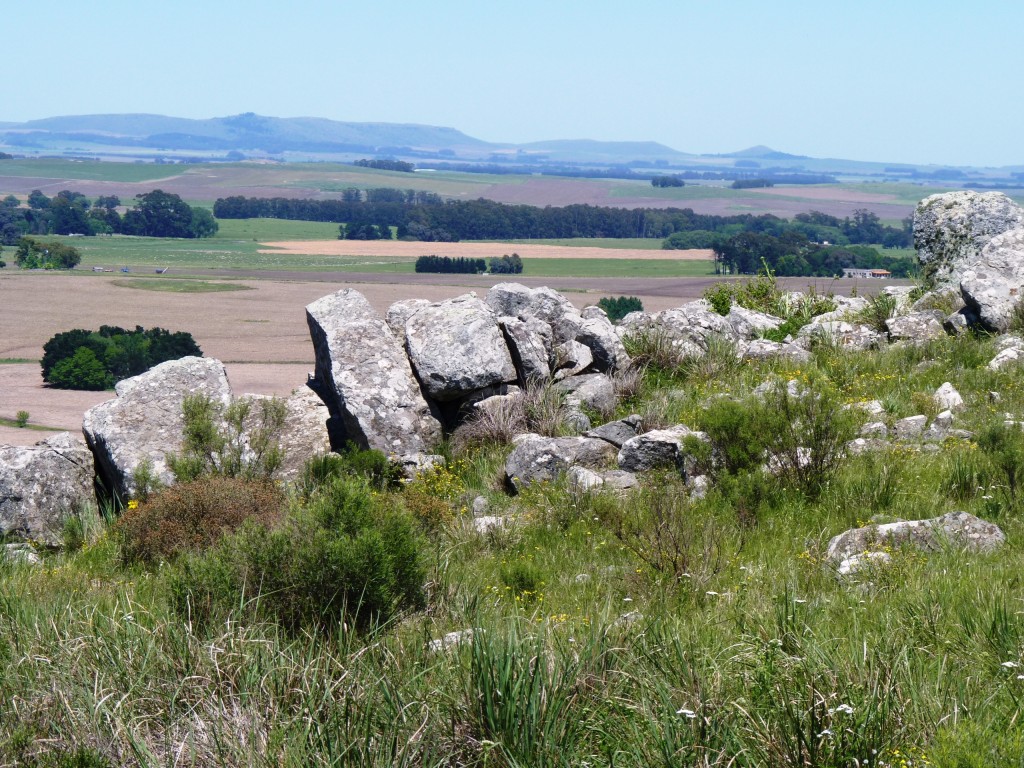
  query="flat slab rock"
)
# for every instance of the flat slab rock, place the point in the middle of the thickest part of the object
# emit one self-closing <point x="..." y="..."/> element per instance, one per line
<point x="144" y="422"/>
<point x="365" y="378"/>
<point x="956" y="529"/>
<point x="538" y="459"/>
<point x="41" y="484"/>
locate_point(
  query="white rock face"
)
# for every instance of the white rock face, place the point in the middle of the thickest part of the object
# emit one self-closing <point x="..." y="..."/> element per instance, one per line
<point x="41" y="485"/>
<point x="957" y="529"/>
<point x="145" y="423"/>
<point x="303" y="434"/>
<point x="951" y="229"/>
<point x="993" y="284"/>
<point x="365" y="378"/>
<point x="456" y="347"/>
<point x="748" y="324"/>
<point x="947" y="398"/>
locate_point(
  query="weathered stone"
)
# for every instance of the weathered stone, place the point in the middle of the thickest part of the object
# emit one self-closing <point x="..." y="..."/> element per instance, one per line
<point x="619" y="480"/>
<point x="917" y="327"/>
<point x="947" y="398"/>
<point x="690" y="327"/>
<point x="993" y="284"/>
<point x="481" y="506"/>
<point x="911" y="427"/>
<point x="748" y="324"/>
<point x="655" y="449"/>
<point x="867" y="561"/>
<point x="841" y="333"/>
<point x="959" y="322"/>
<point x="398" y="315"/>
<point x="456" y="347"/>
<point x="763" y="349"/>
<point x="451" y="640"/>
<point x="617" y="432"/>
<point x="875" y="429"/>
<point x="303" y="433"/>
<point x="545" y="304"/>
<point x="951" y="229"/>
<point x="537" y="459"/>
<point x="144" y="422"/>
<point x="487" y="523"/>
<point x="1011" y="352"/>
<point x="582" y="479"/>
<point x="365" y="378"/>
<point x="41" y="485"/>
<point x="861" y="445"/>
<point x="20" y="553"/>
<point x="415" y="464"/>
<point x="599" y="335"/>
<point x="698" y="486"/>
<point x="591" y="390"/>
<point x="571" y="358"/>
<point x="956" y="529"/>
<point x="529" y="342"/>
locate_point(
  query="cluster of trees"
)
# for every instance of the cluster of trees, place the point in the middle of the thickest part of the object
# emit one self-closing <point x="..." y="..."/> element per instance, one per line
<point x="33" y="254"/>
<point x="365" y="232"/>
<point x="387" y="165"/>
<point x="795" y="256"/>
<point x="617" y="307"/>
<point x="448" y="265"/>
<point x="751" y="184"/>
<point x="96" y="360"/>
<point x="499" y="265"/>
<point x="667" y="181"/>
<point x="154" y="214"/>
<point x="506" y="265"/>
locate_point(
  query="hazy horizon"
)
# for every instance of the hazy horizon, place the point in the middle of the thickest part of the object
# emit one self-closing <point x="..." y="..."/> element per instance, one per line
<point x="918" y="83"/>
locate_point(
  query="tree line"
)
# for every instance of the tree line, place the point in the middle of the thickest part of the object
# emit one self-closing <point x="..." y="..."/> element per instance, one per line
<point x="153" y="214"/>
<point x="499" y="265"/>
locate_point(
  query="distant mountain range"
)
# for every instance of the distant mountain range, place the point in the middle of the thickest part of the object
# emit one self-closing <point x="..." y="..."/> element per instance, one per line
<point x="252" y="136"/>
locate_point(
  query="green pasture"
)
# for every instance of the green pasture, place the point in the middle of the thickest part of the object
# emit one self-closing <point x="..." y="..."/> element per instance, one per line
<point x="264" y="230"/>
<point x="93" y="170"/>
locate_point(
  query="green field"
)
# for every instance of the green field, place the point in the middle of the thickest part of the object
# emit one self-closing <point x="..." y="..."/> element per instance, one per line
<point x="234" y="248"/>
<point x="88" y="169"/>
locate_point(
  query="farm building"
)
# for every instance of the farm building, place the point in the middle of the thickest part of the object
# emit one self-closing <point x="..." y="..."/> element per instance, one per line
<point x="866" y="273"/>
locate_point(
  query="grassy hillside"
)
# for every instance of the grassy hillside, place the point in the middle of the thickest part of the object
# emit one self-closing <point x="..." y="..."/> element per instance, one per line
<point x="659" y="628"/>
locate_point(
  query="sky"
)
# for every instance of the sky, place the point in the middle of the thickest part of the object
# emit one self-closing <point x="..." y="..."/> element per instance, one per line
<point x="897" y="81"/>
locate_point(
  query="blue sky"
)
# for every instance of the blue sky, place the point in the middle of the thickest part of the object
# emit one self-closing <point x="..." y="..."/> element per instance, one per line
<point x="896" y="81"/>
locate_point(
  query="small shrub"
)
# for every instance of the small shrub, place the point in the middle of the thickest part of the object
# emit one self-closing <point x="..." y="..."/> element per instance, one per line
<point x="879" y="309"/>
<point x="1003" y="447"/>
<point x="720" y="296"/>
<point x="618" y="307"/>
<point x="348" y="555"/>
<point x="21" y="419"/>
<point x="237" y="441"/>
<point x="654" y="348"/>
<point x="194" y="515"/>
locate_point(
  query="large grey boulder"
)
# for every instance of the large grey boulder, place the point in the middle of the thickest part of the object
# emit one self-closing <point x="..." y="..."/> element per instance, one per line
<point x="617" y="432"/>
<point x="592" y="390"/>
<point x="398" y="315"/>
<point x="529" y="342"/>
<point x="364" y="377"/>
<point x="656" y="449"/>
<point x="537" y="459"/>
<point x="917" y="327"/>
<point x="951" y="229"/>
<point x="303" y="433"/>
<point x="956" y="529"/>
<point x="993" y="285"/>
<point x="571" y="358"/>
<point x="690" y="327"/>
<point x="545" y="304"/>
<point x="144" y="422"/>
<point x="41" y="485"/>
<point x="607" y="349"/>
<point x="456" y="347"/>
<point x="748" y="324"/>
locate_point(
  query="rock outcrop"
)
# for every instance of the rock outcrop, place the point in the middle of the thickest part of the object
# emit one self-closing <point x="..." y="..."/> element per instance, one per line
<point x="537" y="459"/>
<point x="456" y="348"/>
<point x="993" y="284"/>
<point x="364" y="377"/>
<point x="951" y="229"/>
<point x="41" y="485"/>
<point x="956" y="529"/>
<point x="303" y="434"/>
<point x="144" y="422"/>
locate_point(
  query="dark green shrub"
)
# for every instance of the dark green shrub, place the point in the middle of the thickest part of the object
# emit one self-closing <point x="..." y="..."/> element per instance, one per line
<point x="736" y="435"/>
<point x="193" y="516"/>
<point x="719" y="296"/>
<point x="118" y="353"/>
<point x="506" y="265"/>
<point x="347" y="556"/>
<point x="372" y="465"/>
<point x="617" y="307"/>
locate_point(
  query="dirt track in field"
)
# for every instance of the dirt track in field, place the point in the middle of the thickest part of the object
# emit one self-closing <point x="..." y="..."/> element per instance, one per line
<point x="475" y="250"/>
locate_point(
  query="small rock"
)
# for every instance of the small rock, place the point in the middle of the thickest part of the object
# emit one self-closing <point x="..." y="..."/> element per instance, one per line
<point x="947" y="398"/>
<point x="451" y="640"/>
<point x="20" y="553"/>
<point x="699" y="486"/>
<point x="866" y="561"/>
<point x="911" y="427"/>
<point x="616" y="432"/>
<point x="655" y="449"/>
<point x="875" y="429"/>
<point x="958" y="529"/>
<point x="481" y="506"/>
<point x="582" y="479"/>
<point x="487" y="523"/>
